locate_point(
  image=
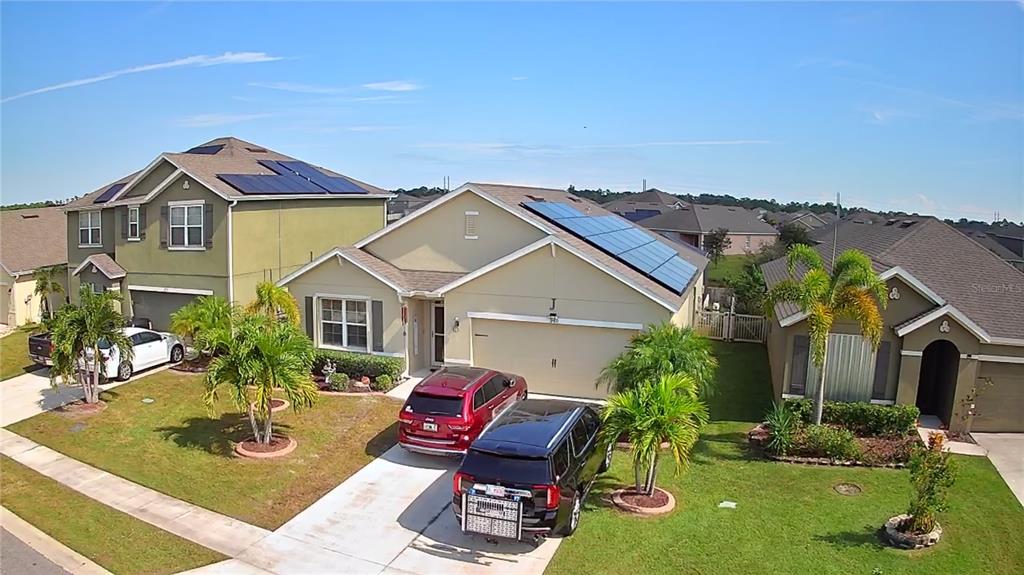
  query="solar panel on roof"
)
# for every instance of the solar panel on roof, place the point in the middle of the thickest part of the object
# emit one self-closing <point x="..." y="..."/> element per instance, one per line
<point x="332" y="184"/>
<point x="109" y="193"/>
<point x="264" y="184"/>
<point x="627" y="243"/>
<point x="206" y="150"/>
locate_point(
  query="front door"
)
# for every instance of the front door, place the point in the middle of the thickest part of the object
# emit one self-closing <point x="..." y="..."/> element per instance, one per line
<point x="437" y="333"/>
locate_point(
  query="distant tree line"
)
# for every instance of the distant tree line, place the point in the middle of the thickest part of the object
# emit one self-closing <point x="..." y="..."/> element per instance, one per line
<point x="29" y="205"/>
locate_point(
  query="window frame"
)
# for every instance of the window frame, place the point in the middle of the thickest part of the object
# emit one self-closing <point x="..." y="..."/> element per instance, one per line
<point x="137" y="223"/>
<point x="344" y="323"/>
<point x="185" y="205"/>
<point x="98" y="228"/>
<point x="579" y="450"/>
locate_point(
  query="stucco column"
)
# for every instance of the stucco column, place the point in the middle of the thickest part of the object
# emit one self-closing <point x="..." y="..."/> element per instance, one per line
<point x="967" y="376"/>
<point x="910" y="375"/>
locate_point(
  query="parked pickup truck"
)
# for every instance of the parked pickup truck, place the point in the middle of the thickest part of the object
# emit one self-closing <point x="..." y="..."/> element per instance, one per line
<point x="39" y="348"/>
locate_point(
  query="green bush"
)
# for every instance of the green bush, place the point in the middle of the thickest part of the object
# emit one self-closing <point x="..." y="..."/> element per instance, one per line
<point x="338" y="382"/>
<point x="359" y="365"/>
<point x="862" y="418"/>
<point x="832" y="442"/>
<point x="783" y="425"/>
<point x="382" y="383"/>
<point x="932" y="474"/>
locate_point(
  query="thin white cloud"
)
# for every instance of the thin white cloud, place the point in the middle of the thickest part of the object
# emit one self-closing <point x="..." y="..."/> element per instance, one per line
<point x="520" y="78"/>
<point x="298" y="87"/>
<point x="371" y="128"/>
<point x="394" y="86"/>
<point x="883" y="116"/>
<point x="200" y="61"/>
<point x="212" y="120"/>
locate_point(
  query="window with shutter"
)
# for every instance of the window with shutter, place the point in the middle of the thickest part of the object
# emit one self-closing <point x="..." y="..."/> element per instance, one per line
<point x="881" y="371"/>
<point x="471" y="232"/>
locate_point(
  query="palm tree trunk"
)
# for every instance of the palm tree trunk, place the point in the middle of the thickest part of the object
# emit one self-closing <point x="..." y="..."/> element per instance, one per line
<point x="651" y="473"/>
<point x="90" y="392"/>
<point x="637" y="475"/>
<point x="270" y="424"/>
<point x="819" y="394"/>
<point x="252" y="422"/>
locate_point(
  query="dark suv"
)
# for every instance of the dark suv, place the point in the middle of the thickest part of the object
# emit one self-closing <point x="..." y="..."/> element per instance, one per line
<point x="448" y="409"/>
<point x="530" y="470"/>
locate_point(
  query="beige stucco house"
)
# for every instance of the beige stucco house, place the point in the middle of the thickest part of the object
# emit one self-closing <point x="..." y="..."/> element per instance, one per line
<point x="30" y="239"/>
<point x="480" y="277"/>
<point x="216" y="219"/>
<point x="953" y="342"/>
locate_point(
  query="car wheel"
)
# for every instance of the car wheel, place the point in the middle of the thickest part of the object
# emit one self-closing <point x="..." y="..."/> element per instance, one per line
<point x="574" y="515"/>
<point x="606" y="463"/>
<point x="177" y="353"/>
<point x="124" y="371"/>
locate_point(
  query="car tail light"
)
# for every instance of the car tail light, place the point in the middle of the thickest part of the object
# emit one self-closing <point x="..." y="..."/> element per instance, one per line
<point x="404" y="417"/>
<point x="552" y="493"/>
<point x="459" y="478"/>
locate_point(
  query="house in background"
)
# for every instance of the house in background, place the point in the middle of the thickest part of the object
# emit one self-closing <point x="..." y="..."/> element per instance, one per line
<point x="404" y="204"/>
<point x="954" y="321"/>
<point x="804" y="218"/>
<point x="30" y="239"/>
<point x="991" y="242"/>
<point x="214" y="220"/>
<point x="532" y="281"/>
<point x="651" y="202"/>
<point x="691" y="223"/>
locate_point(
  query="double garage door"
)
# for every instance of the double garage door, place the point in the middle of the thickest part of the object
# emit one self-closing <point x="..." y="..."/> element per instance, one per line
<point x="555" y="359"/>
<point x="1000" y="407"/>
<point x="157" y="307"/>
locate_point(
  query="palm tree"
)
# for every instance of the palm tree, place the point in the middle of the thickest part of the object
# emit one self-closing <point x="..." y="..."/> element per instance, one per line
<point x="661" y="350"/>
<point x="263" y="355"/>
<point x="275" y="302"/>
<point x="850" y="291"/>
<point x="93" y="326"/>
<point x="654" y="413"/>
<point x="47" y="284"/>
<point x="205" y="323"/>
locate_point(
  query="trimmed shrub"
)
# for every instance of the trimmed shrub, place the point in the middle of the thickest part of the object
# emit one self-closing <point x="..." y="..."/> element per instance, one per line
<point x="382" y="383"/>
<point x="863" y="419"/>
<point x="359" y="365"/>
<point x="783" y="425"/>
<point x="832" y="442"/>
<point x="338" y="382"/>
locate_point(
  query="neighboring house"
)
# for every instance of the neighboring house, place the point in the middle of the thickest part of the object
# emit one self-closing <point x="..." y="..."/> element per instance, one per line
<point x="490" y="275"/>
<point x="404" y="204"/>
<point x="955" y="319"/>
<point x="804" y="218"/>
<point x="214" y="220"/>
<point x="29" y="239"/>
<point x="636" y="207"/>
<point x="991" y="242"/>
<point x="691" y="223"/>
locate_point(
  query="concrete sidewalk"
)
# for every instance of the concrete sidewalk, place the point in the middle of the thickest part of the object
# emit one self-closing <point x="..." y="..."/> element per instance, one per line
<point x="1006" y="452"/>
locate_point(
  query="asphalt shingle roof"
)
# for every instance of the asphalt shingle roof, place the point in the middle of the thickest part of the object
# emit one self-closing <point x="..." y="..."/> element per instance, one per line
<point x="733" y="218"/>
<point x="33" y="238"/>
<point x="408" y="280"/>
<point x="105" y="265"/>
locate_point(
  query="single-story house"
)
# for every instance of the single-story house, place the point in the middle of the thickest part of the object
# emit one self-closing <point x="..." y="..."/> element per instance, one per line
<point x="691" y="223"/>
<point x="532" y="281"/>
<point x="30" y="239"/>
<point x="805" y="218"/>
<point x="953" y="342"/>
<point x="645" y="204"/>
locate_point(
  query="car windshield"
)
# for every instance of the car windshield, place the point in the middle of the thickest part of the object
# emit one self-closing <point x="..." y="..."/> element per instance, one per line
<point x="434" y="405"/>
<point x="507" y="468"/>
<point x="103" y="343"/>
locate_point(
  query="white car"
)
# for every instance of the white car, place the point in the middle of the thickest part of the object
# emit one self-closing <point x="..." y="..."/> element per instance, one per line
<point x="151" y="348"/>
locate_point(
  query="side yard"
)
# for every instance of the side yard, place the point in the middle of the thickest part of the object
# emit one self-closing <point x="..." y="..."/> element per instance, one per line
<point x="726" y="267"/>
<point x="174" y="445"/>
<point x="14" y="359"/>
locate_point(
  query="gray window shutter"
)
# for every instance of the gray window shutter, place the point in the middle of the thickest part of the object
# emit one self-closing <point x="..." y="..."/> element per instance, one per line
<point x="798" y="371"/>
<point x="208" y="225"/>
<point x="309" y="316"/>
<point x="124" y="222"/>
<point x="163" y="226"/>
<point x="881" y="371"/>
<point x="377" y="320"/>
<point x="142" y="222"/>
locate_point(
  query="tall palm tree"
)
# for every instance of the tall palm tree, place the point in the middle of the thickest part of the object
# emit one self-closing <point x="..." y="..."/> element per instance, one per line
<point x="263" y="355"/>
<point x="275" y="302"/>
<point x="47" y="284"/>
<point x="660" y="350"/>
<point x="654" y="413"/>
<point x="91" y="327"/>
<point x="851" y="290"/>
<point x="205" y="323"/>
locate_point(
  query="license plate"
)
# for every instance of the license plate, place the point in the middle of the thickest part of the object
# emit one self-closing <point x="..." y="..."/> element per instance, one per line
<point x="494" y="490"/>
<point x="429" y="427"/>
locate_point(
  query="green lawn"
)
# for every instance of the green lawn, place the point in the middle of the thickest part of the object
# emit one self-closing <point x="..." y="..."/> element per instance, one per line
<point x="726" y="267"/>
<point x="175" y="446"/>
<point x="14" y="353"/>
<point x="788" y="518"/>
<point x="116" y="541"/>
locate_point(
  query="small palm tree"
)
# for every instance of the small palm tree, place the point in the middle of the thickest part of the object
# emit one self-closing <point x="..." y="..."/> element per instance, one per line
<point x="850" y="291"/>
<point x="275" y="302"/>
<point x="205" y="323"/>
<point x="653" y="413"/>
<point x="93" y="326"/>
<point x="661" y="350"/>
<point x="48" y="283"/>
<point x="263" y="355"/>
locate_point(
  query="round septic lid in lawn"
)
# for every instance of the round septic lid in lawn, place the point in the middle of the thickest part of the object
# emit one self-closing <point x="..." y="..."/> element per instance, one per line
<point x="847" y="489"/>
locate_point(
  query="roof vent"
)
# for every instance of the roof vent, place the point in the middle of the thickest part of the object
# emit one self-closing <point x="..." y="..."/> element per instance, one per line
<point x="29" y="216"/>
<point x="890" y="222"/>
<point x="575" y="199"/>
<point x="907" y="223"/>
<point x="257" y="150"/>
<point x="535" y="198"/>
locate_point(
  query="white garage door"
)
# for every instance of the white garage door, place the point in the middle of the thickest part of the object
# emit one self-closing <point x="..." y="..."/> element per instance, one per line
<point x="555" y="359"/>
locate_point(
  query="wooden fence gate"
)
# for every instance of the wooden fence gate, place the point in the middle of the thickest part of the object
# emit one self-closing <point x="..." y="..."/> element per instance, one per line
<point x="730" y="326"/>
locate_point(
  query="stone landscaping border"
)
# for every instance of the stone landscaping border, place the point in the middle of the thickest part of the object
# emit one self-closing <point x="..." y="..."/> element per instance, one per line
<point x="902" y="540"/>
<point x="243" y="452"/>
<point x="646" y="511"/>
<point x="831" y="462"/>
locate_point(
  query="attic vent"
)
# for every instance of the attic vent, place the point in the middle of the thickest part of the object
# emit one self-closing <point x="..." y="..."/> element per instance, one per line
<point x="29" y="216"/>
<point x="535" y="198"/>
<point x="907" y="223"/>
<point x="575" y="199"/>
<point x="471" y="225"/>
<point x="257" y="150"/>
<point x="890" y="222"/>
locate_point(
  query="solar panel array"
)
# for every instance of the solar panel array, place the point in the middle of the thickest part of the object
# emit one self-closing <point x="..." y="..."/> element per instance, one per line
<point x="290" y="177"/>
<point x="206" y="150"/>
<point x="625" y="242"/>
<point x="109" y="193"/>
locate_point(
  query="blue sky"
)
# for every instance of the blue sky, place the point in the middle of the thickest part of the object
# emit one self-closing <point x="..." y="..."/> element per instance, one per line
<point x="918" y="107"/>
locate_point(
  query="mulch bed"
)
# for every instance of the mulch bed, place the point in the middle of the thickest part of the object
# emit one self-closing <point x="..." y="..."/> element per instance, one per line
<point x="81" y="409"/>
<point x="658" y="499"/>
<point x="274" y="403"/>
<point x="277" y="443"/>
<point x="890" y="452"/>
<point x="659" y="503"/>
<point x="197" y="365"/>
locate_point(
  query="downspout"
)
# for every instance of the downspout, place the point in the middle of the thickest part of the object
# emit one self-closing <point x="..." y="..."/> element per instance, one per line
<point x="231" y="255"/>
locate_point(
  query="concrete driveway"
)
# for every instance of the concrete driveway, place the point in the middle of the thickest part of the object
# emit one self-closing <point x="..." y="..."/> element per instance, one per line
<point x="1006" y="452"/>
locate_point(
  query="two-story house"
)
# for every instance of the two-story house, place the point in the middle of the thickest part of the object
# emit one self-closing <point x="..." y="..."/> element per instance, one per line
<point x="533" y="281"/>
<point x="216" y="219"/>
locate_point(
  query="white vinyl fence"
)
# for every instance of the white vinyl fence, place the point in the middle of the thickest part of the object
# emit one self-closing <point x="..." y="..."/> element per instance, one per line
<point x="729" y="326"/>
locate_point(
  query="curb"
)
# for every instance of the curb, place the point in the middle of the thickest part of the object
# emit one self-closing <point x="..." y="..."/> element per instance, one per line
<point x="67" y="558"/>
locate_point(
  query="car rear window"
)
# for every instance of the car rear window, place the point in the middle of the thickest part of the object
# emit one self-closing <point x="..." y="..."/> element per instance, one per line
<point x="434" y="405"/>
<point x="487" y="465"/>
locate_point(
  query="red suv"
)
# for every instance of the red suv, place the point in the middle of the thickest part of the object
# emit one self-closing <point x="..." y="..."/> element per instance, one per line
<point x="447" y="410"/>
